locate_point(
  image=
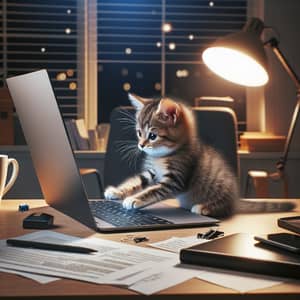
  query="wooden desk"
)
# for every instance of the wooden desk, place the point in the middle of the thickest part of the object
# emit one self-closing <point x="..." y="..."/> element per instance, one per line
<point x="13" y="286"/>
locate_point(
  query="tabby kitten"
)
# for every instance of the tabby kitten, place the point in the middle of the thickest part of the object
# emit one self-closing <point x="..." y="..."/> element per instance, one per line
<point x="178" y="165"/>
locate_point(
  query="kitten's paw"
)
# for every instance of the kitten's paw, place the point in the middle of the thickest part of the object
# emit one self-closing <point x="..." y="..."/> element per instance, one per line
<point x="200" y="209"/>
<point x="113" y="193"/>
<point x="132" y="203"/>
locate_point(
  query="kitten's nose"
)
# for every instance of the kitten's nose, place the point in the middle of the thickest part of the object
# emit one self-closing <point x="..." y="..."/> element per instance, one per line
<point x="142" y="145"/>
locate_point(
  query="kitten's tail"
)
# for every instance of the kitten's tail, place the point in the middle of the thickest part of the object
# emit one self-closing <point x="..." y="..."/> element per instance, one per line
<point x="261" y="206"/>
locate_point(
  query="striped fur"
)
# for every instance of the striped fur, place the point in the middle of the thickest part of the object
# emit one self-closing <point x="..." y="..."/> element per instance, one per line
<point x="178" y="165"/>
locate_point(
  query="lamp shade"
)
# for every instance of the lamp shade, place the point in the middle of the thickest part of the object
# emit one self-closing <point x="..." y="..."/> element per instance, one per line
<point x="240" y="57"/>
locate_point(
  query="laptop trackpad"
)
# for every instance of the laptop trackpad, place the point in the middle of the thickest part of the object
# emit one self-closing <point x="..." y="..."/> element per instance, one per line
<point x="175" y="214"/>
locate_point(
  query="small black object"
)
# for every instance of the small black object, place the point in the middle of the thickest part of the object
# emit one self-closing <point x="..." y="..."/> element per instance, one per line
<point x="23" y="207"/>
<point x="140" y="239"/>
<point x="48" y="246"/>
<point x="286" y="241"/>
<point x="38" y="221"/>
<point x="211" y="234"/>
<point x="290" y="223"/>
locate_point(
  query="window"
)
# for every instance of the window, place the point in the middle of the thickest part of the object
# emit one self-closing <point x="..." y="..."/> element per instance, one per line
<point x="135" y="53"/>
<point x="153" y="47"/>
<point x="42" y="34"/>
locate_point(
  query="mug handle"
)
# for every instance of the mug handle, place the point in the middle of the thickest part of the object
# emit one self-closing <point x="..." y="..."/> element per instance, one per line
<point x="13" y="176"/>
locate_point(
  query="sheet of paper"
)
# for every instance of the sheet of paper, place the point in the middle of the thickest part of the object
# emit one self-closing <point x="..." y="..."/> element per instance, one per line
<point x="114" y="262"/>
<point x="41" y="237"/>
<point x="161" y="278"/>
<point x="239" y="281"/>
<point x="145" y="270"/>
<point x="175" y="244"/>
<point x="47" y="236"/>
<point x="38" y="278"/>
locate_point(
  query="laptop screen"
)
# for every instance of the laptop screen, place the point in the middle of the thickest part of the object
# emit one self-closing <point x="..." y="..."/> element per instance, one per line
<point x="50" y="149"/>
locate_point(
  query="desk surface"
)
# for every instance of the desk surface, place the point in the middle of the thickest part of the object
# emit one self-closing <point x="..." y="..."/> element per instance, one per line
<point x="18" y="287"/>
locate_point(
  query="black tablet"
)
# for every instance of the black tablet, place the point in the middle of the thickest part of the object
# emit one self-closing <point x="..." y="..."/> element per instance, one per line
<point x="242" y="253"/>
<point x="290" y="223"/>
<point x="283" y="240"/>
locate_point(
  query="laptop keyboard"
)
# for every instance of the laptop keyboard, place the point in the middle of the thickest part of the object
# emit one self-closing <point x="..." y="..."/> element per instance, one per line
<point x="114" y="213"/>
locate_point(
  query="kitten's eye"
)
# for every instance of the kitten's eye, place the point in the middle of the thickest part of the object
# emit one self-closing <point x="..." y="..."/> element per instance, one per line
<point x="152" y="136"/>
<point x="139" y="133"/>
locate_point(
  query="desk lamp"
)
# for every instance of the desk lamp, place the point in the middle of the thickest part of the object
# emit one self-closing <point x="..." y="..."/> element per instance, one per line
<point x="240" y="58"/>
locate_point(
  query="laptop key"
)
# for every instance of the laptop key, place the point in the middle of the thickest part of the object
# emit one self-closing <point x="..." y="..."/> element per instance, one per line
<point x="114" y="213"/>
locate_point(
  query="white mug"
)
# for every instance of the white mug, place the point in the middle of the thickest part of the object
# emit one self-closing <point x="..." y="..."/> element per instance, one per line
<point x="4" y="163"/>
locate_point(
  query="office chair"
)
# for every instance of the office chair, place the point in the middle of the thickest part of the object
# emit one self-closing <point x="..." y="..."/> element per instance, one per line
<point x="217" y="126"/>
<point x="92" y="171"/>
<point x="118" y="165"/>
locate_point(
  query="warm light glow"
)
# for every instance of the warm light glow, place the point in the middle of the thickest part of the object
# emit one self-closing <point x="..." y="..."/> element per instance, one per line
<point x="157" y="86"/>
<point x="67" y="30"/>
<point x="167" y="27"/>
<point x="172" y="46"/>
<point x="235" y="66"/>
<point x="72" y="86"/>
<point x="61" y="76"/>
<point x="158" y="44"/>
<point x="182" y="73"/>
<point x="126" y="87"/>
<point x="259" y="173"/>
<point x="70" y="72"/>
<point x="128" y="51"/>
<point x="191" y="37"/>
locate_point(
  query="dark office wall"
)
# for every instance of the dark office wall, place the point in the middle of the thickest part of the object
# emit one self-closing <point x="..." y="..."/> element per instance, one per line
<point x="280" y="93"/>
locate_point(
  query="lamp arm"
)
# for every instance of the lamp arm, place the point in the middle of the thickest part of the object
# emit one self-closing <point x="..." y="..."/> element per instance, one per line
<point x="273" y="43"/>
<point x="281" y="163"/>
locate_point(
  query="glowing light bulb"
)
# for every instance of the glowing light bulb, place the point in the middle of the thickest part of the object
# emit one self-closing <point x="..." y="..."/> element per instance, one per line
<point x="68" y="30"/>
<point x="72" y="86"/>
<point x="211" y="3"/>
<point x="157" y="86"/>
<point x="61" y="76"/>
<point x="128" y="51"/>
<point x="172" y="46"/>
<point x="167" y="27"/>
<point x="43" y="49"/>
<point x="182" y="73"/>
<point x="70" y="72"/>
<point x="158" y="44"/>
<point x="191" y="37"/>
<point x="235" y="66"/>
<point x="126" y="86"/>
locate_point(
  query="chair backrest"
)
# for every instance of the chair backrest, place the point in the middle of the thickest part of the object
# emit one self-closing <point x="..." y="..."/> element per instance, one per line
<point x="217" y="127"/>
<point x="118" y="164"/>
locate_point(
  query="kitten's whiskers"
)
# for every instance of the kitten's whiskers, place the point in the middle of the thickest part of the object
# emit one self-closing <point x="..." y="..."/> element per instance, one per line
<point x="127" y="121"/>
<point x="128" y="152"/>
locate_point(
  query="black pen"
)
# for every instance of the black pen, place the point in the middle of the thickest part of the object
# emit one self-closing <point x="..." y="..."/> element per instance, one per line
<point x="48" y="246"/>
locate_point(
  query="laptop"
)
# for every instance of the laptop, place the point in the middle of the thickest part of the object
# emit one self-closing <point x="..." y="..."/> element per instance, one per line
<point x="59" y="176"/>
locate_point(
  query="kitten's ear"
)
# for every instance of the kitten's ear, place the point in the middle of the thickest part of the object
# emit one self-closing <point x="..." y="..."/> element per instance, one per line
<point x="168" y="111"/>
<point x="137" y="101"/>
